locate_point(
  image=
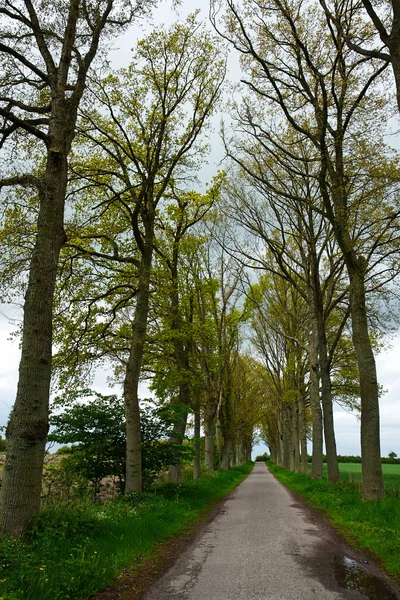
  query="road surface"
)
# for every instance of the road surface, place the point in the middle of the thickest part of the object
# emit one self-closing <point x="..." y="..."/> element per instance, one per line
<point x="264" y="544"/>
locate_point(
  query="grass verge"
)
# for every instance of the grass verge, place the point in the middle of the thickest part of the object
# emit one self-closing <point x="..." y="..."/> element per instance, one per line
<point x="74" y="551"/>
<point x="366" y="525"/>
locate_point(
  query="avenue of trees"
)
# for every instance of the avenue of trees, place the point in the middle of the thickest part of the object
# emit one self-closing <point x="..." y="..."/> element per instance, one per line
<point x="250" y="304"/>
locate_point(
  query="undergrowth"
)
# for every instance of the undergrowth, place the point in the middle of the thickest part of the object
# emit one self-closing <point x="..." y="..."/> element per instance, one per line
<point x="73" y="551"/>
<point x="367" y="525"/>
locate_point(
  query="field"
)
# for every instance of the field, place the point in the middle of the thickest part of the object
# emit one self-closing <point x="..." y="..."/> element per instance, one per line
<point x="391" y="475"/>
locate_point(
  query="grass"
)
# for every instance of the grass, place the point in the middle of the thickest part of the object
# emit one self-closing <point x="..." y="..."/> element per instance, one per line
<point x="367" y="525"/>
<point x="72" y="552"/>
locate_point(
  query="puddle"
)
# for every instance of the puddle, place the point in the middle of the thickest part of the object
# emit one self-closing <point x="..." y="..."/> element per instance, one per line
<point x="349" y="574"/>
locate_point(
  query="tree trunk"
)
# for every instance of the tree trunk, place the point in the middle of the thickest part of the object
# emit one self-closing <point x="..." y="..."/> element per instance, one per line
<point x="295" y="429"/>
<point x="326" y="388"/>
<point x="372" y="478"/>
<point x="280" y="449"/>
<point x="197" y="433"/>
<point x="316" y="413"/>
<point x="286" y="439"/>
<point x="303" y="434"/>
<point x="175" y="471"/>
<point x="329" y="431"/>
<point x="133" y="480"/>
<point x="226" y="453"/>
<point x="218" y="427"/>
<point x="209" y="442"/>
<point x="28" y="425"/>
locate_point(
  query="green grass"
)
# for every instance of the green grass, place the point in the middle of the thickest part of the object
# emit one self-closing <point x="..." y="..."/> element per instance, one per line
<point x="74" y="551"/>
<point x="367" y="525"/>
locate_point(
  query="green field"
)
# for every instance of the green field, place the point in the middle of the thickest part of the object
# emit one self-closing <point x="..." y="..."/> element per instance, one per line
<point x="391" y="476"/>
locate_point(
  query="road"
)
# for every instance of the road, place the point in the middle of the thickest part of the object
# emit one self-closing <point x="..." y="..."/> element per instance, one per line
<point x="264" y="544"/>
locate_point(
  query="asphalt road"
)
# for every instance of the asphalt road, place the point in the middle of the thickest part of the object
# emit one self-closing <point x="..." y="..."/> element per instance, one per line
<point x="264" y="544"/>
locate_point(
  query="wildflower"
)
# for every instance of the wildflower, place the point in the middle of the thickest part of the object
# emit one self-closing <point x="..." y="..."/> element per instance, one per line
<point x="46" y="580"/>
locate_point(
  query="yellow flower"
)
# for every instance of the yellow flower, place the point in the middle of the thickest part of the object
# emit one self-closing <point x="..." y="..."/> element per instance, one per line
<point x="46" y="579"/>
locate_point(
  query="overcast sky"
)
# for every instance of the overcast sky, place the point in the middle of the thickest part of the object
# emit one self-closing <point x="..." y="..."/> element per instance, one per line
<point x="346" y="425"/>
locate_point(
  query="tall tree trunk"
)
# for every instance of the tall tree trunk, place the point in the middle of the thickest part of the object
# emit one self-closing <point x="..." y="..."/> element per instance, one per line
<point x="209" y="441"/>
<point x="303" y="434"/>
<point x="372" y="478"/>
<point x="316" y="413"/>
<point x="281" y="452"/>
<point x="133" y="479"/>
<point x="286" y="438"/>
<point x="181" y="355"/>
<point x="28" y="425"/>
<point x="295" y="429"/>
<point x="197" y="433"/>
<point x="226" y="454"/>
<point x="175" y="471"/>
<point x="218" y="427"/>
<point x="326" y="388"/>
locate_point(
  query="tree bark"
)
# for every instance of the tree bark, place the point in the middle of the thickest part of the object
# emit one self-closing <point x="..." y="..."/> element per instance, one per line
<point x="133" y="479"/>
<point x="295" y="429"/>
<point x="372" y="478"/>
<point x="28" y="425"/>
<point x="218" y="427"/>
<point x="197" y="433"/>
<point x="326" y="387"/>
<point x="175" y="471"/>
<point x="316" y="413"/>
<point x="209" y="442"/>
<point x="303" y="434"/>
<point x="226" y="455"/>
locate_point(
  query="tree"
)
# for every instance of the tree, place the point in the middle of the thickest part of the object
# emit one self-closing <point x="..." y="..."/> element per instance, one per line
<point x="392" y="455"/>
<point x="177" y="330"/>
<point x="308" y="84"/>
<point x="46" y="54"/>
<point x="280" y="332"/>
<point x="141" y="144"/>
<point x="95" y="426"/>
<point x="385" y="20"/>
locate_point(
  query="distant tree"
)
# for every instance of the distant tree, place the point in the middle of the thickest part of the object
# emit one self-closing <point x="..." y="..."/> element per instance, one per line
<point x="96" y="430"/>
<point x="392" y="455"/>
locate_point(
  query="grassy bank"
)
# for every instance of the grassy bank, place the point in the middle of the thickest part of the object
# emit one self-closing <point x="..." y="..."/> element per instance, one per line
<point x="74" y="551"/>
<point x="370" y="525"/>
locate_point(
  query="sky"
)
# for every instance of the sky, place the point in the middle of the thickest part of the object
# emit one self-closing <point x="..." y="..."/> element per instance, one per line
<point x="347" y="425"/>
